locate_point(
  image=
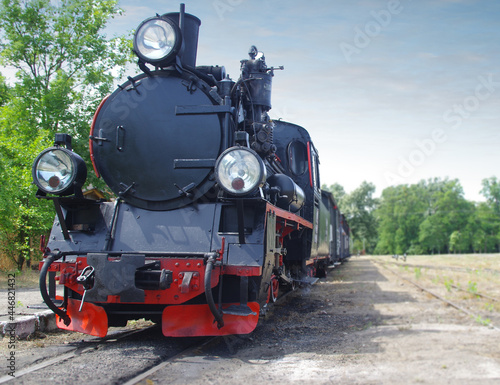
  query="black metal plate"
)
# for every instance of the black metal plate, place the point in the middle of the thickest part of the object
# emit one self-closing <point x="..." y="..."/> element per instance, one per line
<point x="146" y="139"/>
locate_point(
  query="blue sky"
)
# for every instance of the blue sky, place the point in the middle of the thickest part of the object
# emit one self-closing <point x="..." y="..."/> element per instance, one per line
<point x="392" y="92"/>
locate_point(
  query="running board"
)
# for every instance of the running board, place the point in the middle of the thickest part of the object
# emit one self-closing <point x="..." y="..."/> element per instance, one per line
<point x="334" y="265"/>
<point x="198" y="320"/>
<point x="240" y="310"/>
<point x="306" y="281"/>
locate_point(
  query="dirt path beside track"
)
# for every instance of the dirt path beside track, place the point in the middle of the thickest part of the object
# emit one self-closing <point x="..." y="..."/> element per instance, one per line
<point x="362" y="325"/>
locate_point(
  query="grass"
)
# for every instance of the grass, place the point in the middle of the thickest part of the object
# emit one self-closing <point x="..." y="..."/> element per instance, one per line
<point x="24" y="279"/>
<point x="448" y="283"/>
<point x="481" y="321"/>
<point x="447" y="273"/>
<point x="471" y="261"/>
<point x="472" y="287"/>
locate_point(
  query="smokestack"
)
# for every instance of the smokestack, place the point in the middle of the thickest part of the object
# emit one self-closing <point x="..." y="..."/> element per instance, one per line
<point x="189" y="26"/>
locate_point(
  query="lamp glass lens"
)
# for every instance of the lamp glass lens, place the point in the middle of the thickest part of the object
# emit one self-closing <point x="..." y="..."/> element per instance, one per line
<point x="155" y="39"/>
<point x="54" y="171"/>
<point x="239" y="171"/>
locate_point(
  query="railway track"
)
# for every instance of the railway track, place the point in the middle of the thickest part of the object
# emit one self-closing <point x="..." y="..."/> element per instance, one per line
<point x="476" y="293"/>
<point x="170" y="350"/>
<point x="209" y="342"/>
<point x="434" y="294"/>
<point x="189" y="351"/>
<point x="187" y="346"/>
<point x="454" y="269"/>
<point x="448" y="268"/>
<point x="76" y="351"/>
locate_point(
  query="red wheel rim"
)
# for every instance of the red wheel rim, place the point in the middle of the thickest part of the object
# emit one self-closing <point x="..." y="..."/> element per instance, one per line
<point x="275" y="286"/>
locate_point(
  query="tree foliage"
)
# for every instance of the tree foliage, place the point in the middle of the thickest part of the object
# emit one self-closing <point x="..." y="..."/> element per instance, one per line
<point x="434" y="217"/>
<point x="338" y="193"/>
<point x="64" y="66"/>
<point x="491" y="191"/>
<point x="399" y="213"/>
<point x="430" y="217"/>
<point x="358" y="207"/>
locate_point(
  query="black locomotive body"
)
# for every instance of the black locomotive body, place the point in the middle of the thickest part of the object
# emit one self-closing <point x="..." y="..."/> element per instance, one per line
<point x="216" y="206"/>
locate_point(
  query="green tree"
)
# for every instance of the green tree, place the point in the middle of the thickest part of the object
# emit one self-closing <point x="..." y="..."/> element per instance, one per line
<point x="491" y="191"/>
<point x="338" y="193"/>
<point x="358" y="208"/>
<point x="4" y="91"/>
<point x="428" y="217"/>
<point x="447" y="211"/>
<point x="487" y="224"/>
<point x="64" y="67"/>
<point x="432" y="236"/>
<point x="387" y="220"/>
<point x="489" y="214"/>
<point x="400" y="212"/>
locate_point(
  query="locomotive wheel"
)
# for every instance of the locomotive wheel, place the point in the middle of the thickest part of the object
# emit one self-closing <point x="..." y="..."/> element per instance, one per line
<point x="274" y="288"/>
<point x="321" y="272"/>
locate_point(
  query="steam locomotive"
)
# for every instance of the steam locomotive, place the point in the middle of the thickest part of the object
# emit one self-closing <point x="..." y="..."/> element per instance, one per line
<point x="217" y="207"/>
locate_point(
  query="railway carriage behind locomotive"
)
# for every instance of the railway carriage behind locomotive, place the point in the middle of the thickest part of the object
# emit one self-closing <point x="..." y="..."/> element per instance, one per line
<point x="216" y="208"/>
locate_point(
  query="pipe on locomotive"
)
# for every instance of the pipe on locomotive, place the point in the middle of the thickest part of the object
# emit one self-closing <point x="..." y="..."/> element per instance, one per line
<point x="43" y="289"/>
<point x="217" y="313"/>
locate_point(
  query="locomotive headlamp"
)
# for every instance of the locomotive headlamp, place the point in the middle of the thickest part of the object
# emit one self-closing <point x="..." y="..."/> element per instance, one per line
<point x="239" y="170"/>
<point x="58" y="170"/>
<point x="157" y="41"/>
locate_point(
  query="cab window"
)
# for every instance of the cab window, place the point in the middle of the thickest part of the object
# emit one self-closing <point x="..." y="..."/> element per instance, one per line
<point x="297" y="157"/>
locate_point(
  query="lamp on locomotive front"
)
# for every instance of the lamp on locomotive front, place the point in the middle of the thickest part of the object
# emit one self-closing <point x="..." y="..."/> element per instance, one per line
<point x="58" y="170"/>
<point x="169" y="39"/>
<point x="239" y="171"/>
<point x="157" y="41"/>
